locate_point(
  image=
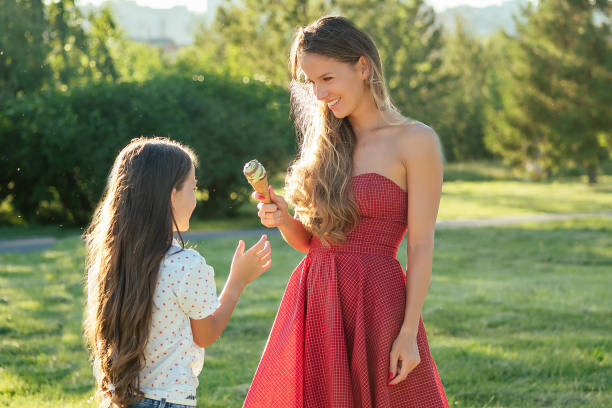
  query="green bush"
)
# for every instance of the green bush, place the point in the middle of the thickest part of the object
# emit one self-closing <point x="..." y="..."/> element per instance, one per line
<point x="56" y="149"/>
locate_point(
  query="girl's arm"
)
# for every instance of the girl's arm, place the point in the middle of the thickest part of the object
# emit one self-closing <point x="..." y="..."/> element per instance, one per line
<point x="277" y="214"/>
<point x="423" y="162"/>
<point x="246" y="267"/>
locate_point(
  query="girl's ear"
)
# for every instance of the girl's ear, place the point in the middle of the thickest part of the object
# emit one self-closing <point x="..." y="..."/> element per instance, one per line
<point x="364" y="67"/>
<point x="173" y="197"/>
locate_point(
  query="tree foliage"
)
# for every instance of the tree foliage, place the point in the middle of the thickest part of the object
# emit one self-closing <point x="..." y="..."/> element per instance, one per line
<point x="54" y="165"/>
<point x="23" y="49"/>
<point x="253" y="38"/>
<point x="74" y="90"/>
<point x="468" y="62"/>
<point x="555" y="107"/>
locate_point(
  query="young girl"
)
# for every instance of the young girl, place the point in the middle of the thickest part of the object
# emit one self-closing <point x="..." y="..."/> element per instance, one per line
<point x="349" y="332"/>
<point x="152" y="306"/>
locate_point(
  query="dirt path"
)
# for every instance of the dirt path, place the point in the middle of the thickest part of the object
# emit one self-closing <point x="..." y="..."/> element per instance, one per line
<point x="41" y="243"/>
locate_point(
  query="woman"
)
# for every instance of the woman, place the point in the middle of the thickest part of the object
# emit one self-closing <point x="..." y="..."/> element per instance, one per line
<point x="348" y="331"/>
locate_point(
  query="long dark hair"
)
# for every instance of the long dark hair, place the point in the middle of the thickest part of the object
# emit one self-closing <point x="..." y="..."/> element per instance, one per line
<point x="131" y="231"/>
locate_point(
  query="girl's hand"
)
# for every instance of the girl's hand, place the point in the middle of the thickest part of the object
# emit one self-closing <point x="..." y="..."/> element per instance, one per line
<point x="275" y="214"/>
<point x="404" y="358"/>
<point x="248" y="266"/>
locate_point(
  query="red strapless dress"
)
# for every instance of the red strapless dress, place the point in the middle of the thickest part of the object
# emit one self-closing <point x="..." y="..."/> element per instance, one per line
<point x="342" y="310"/>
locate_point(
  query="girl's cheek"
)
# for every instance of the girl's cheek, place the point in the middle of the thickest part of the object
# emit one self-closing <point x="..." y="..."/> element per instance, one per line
<point x="193" y="202"/>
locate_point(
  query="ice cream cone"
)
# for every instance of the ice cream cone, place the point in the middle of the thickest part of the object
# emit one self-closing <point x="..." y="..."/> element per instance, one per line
<point x="256" y="175"/>
<point x="261" y="187"/>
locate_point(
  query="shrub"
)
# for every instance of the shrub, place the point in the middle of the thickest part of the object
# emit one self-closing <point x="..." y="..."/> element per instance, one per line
<point x="56" y="149"/>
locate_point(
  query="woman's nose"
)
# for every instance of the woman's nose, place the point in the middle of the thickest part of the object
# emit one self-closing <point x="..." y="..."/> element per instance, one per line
<point x="320" y="92"/>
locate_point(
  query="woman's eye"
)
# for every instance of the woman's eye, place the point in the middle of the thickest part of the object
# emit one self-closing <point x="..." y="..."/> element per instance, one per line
<point x="327" y="78"/>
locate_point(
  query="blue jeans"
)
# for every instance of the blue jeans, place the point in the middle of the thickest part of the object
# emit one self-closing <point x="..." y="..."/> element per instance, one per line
<point x="151" y="403"/>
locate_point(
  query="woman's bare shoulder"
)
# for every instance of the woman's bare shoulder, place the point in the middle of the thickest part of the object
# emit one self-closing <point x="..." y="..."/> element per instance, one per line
<point x="414" y="137"/>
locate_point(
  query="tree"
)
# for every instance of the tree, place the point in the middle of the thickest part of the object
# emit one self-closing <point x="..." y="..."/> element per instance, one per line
<point x="467" y="62"/>
<point x="112" y="57"/>
<point x="50" y="46"/>
<point x="138" y="61"/>
<point x="252" y="38"/>
<point x="411" y="43"/>
<point x="555" y="111"/>
<point x="103" y="35"/>
<point x="69" y="46"/>
<point x="22" y="47"/>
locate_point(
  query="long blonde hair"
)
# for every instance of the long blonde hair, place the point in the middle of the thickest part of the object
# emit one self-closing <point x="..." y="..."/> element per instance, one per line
<point x="318" y="181"/>
<point x="129" y="236"/>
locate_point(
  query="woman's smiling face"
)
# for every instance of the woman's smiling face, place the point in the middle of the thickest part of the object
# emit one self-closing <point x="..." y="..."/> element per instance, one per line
<point x="339" y="85"/>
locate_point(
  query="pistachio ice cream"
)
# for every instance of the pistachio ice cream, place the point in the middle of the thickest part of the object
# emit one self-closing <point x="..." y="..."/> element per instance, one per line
<point x="255" y="174"/>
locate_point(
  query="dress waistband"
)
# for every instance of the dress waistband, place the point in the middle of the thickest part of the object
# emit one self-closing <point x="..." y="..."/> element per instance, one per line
<point x="354" y="246"/>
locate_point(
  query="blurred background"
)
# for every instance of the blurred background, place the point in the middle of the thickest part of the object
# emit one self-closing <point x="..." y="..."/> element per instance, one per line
<point x="522" y="84"/>
<point x="520" y="305"/>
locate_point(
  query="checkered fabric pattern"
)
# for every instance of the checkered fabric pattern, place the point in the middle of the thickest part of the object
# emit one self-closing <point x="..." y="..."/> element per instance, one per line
<point x="342" y="309"/>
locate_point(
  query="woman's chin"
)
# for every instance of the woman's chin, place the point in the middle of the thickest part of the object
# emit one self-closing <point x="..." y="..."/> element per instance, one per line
<point x="339" y="114"/>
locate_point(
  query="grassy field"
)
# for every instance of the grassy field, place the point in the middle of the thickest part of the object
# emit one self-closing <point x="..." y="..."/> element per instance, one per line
<point x="517" y="317"/>
<point x="473" y="199"/>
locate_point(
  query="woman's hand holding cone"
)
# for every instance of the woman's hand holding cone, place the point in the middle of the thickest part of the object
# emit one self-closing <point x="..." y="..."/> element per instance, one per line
<point x="274" y="214"/>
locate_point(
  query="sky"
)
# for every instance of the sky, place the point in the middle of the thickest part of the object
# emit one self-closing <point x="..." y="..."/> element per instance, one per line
<point x="200" y="5"/>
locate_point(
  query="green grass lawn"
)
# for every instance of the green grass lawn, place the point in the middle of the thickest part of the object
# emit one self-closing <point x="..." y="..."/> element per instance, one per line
<point x="476" y="199"/>
<point x="488" y="189"/>
<point x="516" y="317"/>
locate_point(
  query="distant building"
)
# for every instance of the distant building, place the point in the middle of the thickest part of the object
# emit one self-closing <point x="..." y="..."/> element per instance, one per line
<point x="154" y="26"/>
<point x="167" y="45"/>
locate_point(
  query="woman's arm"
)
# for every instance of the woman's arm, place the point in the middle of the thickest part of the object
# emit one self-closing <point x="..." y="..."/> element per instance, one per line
<point x="295" y="234"/>
<point x="423" y="162"/>
<point x="277" y="214"/>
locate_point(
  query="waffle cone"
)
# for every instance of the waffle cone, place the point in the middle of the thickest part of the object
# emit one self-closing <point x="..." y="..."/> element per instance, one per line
<point x="261" y="187"/>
